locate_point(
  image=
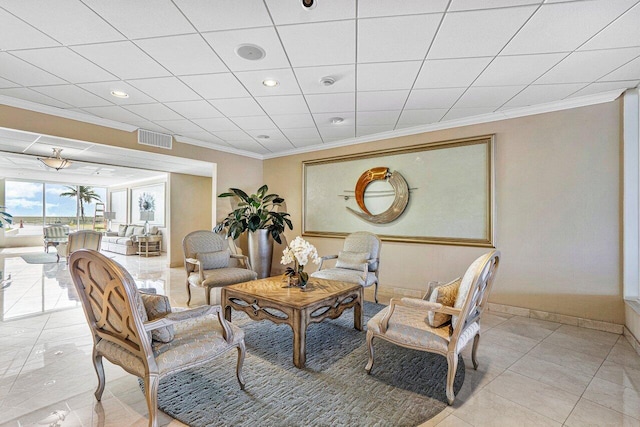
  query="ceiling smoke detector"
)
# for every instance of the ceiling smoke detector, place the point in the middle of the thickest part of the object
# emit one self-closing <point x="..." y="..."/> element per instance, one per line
<point x="327" y="81"/>
<point x="250" y="52"/>
<point x="337" y="120"/>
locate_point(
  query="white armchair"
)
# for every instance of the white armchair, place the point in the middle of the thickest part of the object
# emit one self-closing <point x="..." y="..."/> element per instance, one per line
<point x="407" y="322"/>
<point x="83" y="239"/>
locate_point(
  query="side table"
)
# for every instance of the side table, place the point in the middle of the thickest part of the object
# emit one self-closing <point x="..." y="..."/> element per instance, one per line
<point x="149" y="245"/>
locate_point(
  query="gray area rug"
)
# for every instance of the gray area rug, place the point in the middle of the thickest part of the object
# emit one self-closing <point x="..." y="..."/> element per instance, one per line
<point x="40" y="258"/>
<point x="406" y="387"/>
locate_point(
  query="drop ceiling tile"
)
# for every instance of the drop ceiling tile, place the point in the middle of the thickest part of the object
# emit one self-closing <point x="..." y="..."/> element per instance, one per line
<point x="226" y="42"/>
<point x="252" y="80"/>
<point x="323" y="43"/>
<point x="204" y="136"/>
<point x="103" y="89"/>
<point x="249" y="145"/>
<point x="302" y="133"/>
<point x="225" y="14"/>
<point x="194" y="109"/>
<point x="291" y="11"/>
<point x="165" y="89"/>
<point x="6" y="84"/>
<point x="148" y="125"/>
<point x="183" y="55"/>
<point x="142" y="19"/>
<point x="216" y="86"/>
<point x="153" y="112"/>
<point x="377" y="118"/>
<point x="81" y="24"/>
<point x="588" y="66"/>
<point x="16" y="34"/>
<point x="387" y="75"/>
<point x="326" y="103"/>
<point x="541" y="94"/>
<point x="233" y="135"/>
<point x="599" y="87"/>
<point x="381" y="100"/>
<point x="372" y="8"/>
<point x="515" y="70"/>
<point x="398" y="38"/>
<point x="113" y="112"/>
<point x="624" y="32"/>
<point x="179" y="126"/>
<point x="124" y="59"/>
<point x="65" y="63"/>
<point x="288" y="104"/>
<point x="333" y="134"/>
<point x="292" y="121"/>
<point x="254" y="122"/>
<point x="478" y="33"/>
<point x="73" y="95"/>
<point x="439" y="73"/>
<point x="277" y="146"/>
<point x="216" y="125"/>
<point x="485" y="97"/>
<point x="20" y="72"/>
<point x="460" y="5"/>
<point x="372" y="130"/>
<point x="554" y="27"/>
<point x="273" y="133"/>
<point x="301" y="142"/>
<point x="324" y="119"/>
<point x="238" y="107"/>
<point x="459" y="113"/>
<point x="628" y="71"/>
<point x="33" y="96"/>
<point x="421" y="99"/>
<point x="344" y="76"/>
<point x="410" y="118"/>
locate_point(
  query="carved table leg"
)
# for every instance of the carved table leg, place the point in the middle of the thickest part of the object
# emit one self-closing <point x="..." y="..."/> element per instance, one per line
<point x="358" y="312"/>
<point x="299" y="327"/>
<point x="227" y="307"/>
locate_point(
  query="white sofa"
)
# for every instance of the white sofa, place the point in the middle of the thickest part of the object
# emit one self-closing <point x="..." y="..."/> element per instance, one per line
<point x="125" y="240"/>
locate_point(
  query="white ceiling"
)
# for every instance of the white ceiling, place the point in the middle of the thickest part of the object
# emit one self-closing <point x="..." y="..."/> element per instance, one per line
<point x="397" y="64"/>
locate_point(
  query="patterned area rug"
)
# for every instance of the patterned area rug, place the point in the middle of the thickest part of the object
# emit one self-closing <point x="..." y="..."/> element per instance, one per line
<point x="40" y="258"/>
<point x="406" y="387"/>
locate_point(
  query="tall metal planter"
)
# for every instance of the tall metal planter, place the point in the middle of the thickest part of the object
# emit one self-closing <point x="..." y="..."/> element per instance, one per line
<point x="260" y="252"/>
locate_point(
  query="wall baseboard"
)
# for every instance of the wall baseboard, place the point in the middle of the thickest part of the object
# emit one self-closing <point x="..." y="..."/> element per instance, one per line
<point x="632" y="340"/>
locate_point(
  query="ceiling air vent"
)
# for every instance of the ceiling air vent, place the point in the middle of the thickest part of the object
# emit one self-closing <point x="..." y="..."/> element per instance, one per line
<point x="154" y="139"/>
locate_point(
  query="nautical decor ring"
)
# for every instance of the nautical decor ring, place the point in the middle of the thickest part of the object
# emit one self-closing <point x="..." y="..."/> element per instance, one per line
<point x="400" y="189"/>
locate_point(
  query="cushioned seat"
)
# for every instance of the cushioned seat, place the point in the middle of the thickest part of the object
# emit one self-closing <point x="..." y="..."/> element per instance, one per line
<point x="83" y="239"/>
<point x="222" y="277"/>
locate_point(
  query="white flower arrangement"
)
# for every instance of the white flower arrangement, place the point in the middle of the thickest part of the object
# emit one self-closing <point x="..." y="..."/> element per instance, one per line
<point x="299" y="252"/>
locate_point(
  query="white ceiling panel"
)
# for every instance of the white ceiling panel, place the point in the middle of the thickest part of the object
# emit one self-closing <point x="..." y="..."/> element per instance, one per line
<point x="478" y="33"/>
<point x="289" y="104"/>
<point x="324" y="43"/>
<point x="113" y="112"/>
<point x="301" y="142"/>
<point x="371" y="130"/>
<point x="302" y="133"/>
<point x="216" y="125"/>
<point x="484" y="97"/>
<point x="381" y="100"/>
<point x="233" y="135"/>
<point x="225" y="44"/>
<point x="33" y="96"/>
<point x="540" y="94"/>
<point x="292" y="121"/>
<point x="215" y="86"/>
<point x="588" y="66"/>
<point x="154" y="112"/>
<point x="251" y="123"/>
<point x="104" y="89"/>
<point x="460" y="5"/>
<point x="273" y="134"/>
<point x="421" y="99"/>
<point x="623" y="32"/>
<point x="563" y="27"/>
<point x="599" y="87"/>
<point x="628" y="71"/>
<point x="372" y="8"/>
<point x="291" y="11"/>
<point x="250" y="145"/>
<point x="179" y="126"/>
<point x="277" y="146"/>
<point x="441" y="73"/>
<point x="165" y="89"/>
<point x="194" y="109"/>
<point x="18" y="71"/>
<point x="459" y="113"/>
<point x="6" y="83"/>
<point x="519" y="69"/>
<point x="410" y="118"/>
<point x="66" y="64"/>
<point x="252" y="80"/>
<point x="387" y="76"/>
<point x="149" y="125"/>
<point x="205" y="136"/>
<point x="412" y="36"/>
<point x="374" y="118"/>
<point x="344" y="76"/>
<point x="225" y="14"/>
<point x="138" y="19"/>
<point x="331" y="134"/>
<point x="124" y="59"/>
<point x="326" y="103"/>
<point x="16" y="34"/>
<point x="73" y="95"/>
<point x="238" y="107"/>
<point x="183" y="55"/>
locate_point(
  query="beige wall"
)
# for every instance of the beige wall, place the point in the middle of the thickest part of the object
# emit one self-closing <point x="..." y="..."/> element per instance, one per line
<point x="558" y="213"/>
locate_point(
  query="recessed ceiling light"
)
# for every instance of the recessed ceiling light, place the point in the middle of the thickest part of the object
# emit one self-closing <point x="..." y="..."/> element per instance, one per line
<point x="263" y="137"/>
<point x="337" y="120"/>
<point x="250" y="52"/>
<point x="327" y="81"/>
<point x="270" y="82"/>
<point x="119" y="94"/>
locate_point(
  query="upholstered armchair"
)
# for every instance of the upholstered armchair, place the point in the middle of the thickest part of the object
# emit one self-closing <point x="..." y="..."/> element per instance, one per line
<point x="83" y="239"/>
<point x="358" y="262"/>
<point x="55" y="235"/>
<point x="140" y="333"/>
<point x="207" y="261"/>
<point x="425" y="325"/>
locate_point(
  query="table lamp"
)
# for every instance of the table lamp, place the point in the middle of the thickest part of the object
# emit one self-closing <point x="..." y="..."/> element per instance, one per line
<point x="109" y="216"/>
<point x="146" y="216"/>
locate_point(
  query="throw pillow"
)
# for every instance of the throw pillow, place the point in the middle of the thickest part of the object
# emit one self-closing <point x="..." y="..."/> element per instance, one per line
<point x="352" y="260"/>
<point x="129" y="231"/>
<point x="153" y="230"/>
<point x="446" y="295"/>
<point x="213" y="260"/>
<point x="122" y="229"/>
<point x="138" y="231"/>
<point x="157" y="306"/>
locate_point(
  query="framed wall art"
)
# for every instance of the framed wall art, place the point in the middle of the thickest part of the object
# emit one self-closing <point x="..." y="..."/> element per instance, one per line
<point x="439" y="192"/>
<point x="148" y="198"/>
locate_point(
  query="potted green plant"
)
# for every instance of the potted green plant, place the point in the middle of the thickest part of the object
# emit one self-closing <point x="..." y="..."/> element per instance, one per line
<point x="5" y="217"/>
<point x="258" y="214"/>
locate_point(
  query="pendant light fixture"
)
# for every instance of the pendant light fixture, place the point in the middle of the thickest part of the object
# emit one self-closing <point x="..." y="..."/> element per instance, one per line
<point x="56" y="162"/>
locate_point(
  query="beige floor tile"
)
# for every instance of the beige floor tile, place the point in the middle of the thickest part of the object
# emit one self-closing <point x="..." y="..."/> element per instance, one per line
<point x="437" y="418"/>
<point x="623" y="354"/>
<point x="453" y="421"/>
<point x="620" y="374"/>
<point x="579" y="343"/>
<point x="587" y="413"/>
<point x="584" y="363"/>
<point x="589" y="334"/>
<point x="614" y="396"/>
<point x="492" y="319"/>
<point x="564" y="378"/>
<point x="507" y="339"/>
<point x="491" y="355"/>
<point x="525" y="328"/>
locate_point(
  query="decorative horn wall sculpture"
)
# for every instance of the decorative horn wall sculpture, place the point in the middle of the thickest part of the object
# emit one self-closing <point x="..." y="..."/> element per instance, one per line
<point x="400" y="201"/>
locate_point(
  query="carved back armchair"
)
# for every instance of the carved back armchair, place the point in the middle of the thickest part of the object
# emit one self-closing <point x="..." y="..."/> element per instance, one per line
<point x="83" y="239"/>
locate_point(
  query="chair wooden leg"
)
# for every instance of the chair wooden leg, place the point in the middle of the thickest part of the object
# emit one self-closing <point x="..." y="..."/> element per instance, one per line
<point x="151" y="394"/>
<point x="97" y="365"/>
<point x="474" y="351"/>
<point x="188" y="293"/>
<point x="241" y="353"/>
<point x="452" y="362"/>
<point x="370" y="347"/>
<point x="207" y="295"/>
<point x="375" y="293"/>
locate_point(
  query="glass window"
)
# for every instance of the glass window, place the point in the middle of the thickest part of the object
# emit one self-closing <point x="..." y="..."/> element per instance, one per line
<point x="24" y="200"/>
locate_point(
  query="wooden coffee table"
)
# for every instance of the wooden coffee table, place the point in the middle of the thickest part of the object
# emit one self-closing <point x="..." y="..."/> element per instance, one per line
<point x="270" y="299"/>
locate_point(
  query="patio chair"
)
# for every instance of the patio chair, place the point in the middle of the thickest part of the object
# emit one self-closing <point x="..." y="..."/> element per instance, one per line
<point x="54" y="235"/>
<point x="140" y="333"/>
<point x="409" y="322"/>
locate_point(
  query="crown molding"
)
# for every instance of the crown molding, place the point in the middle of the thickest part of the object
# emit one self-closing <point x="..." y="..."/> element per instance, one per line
<point x="214" y="146"/>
